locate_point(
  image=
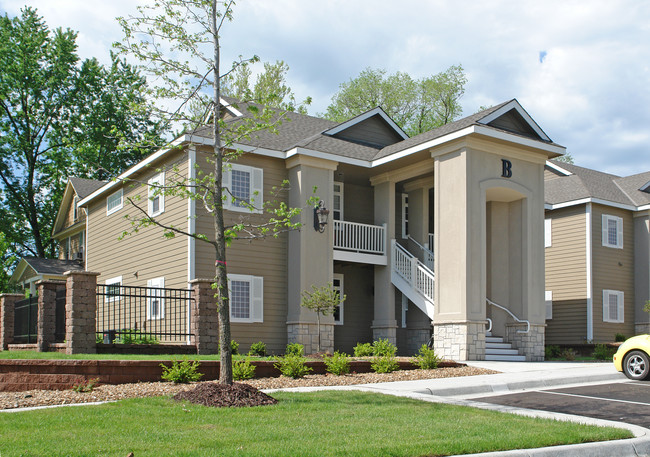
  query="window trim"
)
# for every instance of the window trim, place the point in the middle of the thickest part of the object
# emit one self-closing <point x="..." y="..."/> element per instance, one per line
<point x="341" y="290"/>
<point x="159" y="180"/>
<point x="548" y="232"/>
<point x="256" y="188"/>
<point x="157" y="283"/>
<point x="405" y="219"/>
<point x="341" y="194"/>
<point x="75" y="210"/>
<point x="620" y="312"/>
<point x="548" y="302"/>
<point x="113" y="281"/>
<point x="256" y="298"/>
<point x="619" y="231"/>
<point x="118" y="206"/>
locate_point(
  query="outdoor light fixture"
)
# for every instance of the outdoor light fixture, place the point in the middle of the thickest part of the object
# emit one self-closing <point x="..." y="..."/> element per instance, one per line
<point x="320" y="217"/>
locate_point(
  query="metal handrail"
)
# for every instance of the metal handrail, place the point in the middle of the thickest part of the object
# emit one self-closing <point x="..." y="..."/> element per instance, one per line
<point x="513" y="316"/>
<point x="489" y="329"/>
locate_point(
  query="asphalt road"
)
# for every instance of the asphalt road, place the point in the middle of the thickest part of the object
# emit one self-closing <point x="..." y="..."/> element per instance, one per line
<point x="624" y="401"/>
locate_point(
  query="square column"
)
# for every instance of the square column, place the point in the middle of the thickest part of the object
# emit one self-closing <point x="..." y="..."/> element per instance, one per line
<point x="7" y="311"/>
<point x="46" y="327"/>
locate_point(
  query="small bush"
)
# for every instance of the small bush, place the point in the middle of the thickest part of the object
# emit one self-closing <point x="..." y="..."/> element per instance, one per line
<point x="363" y="350"/>
<point x="292" y="366"/>
<point x="258" y="349"/>
<point x="568" y="354"/>
<point x="384" y="364"/>
<point x="602" y="352"/>
<point x="338" y="364"/>
<point x="382" y="348"/>
<point x="234" y="347"/>
<point x="129" y="336"/>
<point x="426" y="358"/>
<point x="619" y="338"/>
<point x="552" y="352"/>
<point x="242" y="370"/>
<point x="181" y="372"/>
<point x="85" y="385"/>
<point x="295" y="349"/>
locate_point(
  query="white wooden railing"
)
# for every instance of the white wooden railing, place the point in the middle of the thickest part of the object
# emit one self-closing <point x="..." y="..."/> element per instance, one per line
<point x="414" y="272"/>
<point x="362" y="238"/>
<point x="427" y="254"/>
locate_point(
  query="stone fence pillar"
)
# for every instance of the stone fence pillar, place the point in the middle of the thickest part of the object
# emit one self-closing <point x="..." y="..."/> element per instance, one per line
<point x="204" y="317"/>
<point x="46" y="326"/>
<point x="80" y="312"/>
<point x="7" y="305"/>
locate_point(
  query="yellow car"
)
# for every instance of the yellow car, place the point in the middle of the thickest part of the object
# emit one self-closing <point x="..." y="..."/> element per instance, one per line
<point x="633" y="358"/>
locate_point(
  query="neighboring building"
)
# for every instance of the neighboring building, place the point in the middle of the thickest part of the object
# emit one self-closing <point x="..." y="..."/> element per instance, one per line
<point x="472" y="191"/>
<point x="597" y="254"/>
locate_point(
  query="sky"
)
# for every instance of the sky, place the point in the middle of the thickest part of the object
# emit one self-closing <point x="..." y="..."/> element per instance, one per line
<point x="581" y="69"/>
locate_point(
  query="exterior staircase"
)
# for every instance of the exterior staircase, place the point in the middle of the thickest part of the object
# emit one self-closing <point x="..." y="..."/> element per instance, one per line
<point x="498" y="350"/>
<point x="413" y="278"/>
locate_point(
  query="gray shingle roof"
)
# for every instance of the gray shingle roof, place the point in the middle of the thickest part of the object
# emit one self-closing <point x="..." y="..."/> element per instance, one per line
<point x="84" y="187"/>
<point x="52" y="266"/>
<point x="631" y="185"/>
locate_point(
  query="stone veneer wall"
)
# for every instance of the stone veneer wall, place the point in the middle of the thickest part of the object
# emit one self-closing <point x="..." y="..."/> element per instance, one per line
<point x="460" y="340"/>
<point x="641" y="328"/>
<point x="307" y="335"/>
<point x="530" y="344"/>
<point x="80" y="312"/>
<point x="415" y="338"/>
<point x="385" y="333"/>
<point x="204" y="320"/>
<point x="7" y="305"/>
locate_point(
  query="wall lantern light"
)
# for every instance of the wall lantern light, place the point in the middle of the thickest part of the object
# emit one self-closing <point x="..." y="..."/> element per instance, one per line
<point x="320" y="217"/>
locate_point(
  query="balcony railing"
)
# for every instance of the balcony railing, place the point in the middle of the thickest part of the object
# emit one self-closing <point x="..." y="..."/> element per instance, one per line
<point x="360" y="238"/>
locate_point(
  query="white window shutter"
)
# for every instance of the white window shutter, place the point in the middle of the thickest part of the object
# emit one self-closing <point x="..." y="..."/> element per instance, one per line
<point x="257" y="299"/>
<point x="620" y="302"/>
<point x="619" y="233"/>
<point x="226" y="180"/>
<point x="605" y="240"/>
<point x="548" y="237"/>
<point x="257" y="189"/>
<point x="548" y="299"/>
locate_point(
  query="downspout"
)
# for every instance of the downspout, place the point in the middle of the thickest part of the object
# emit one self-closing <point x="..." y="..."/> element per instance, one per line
<point x="588" y="260"/>
<point x="191" y="228"/>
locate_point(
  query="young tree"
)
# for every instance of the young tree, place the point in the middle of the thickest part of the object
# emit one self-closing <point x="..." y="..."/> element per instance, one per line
<point x="415" y="105"/>
<point x="323" y="301"/>
<point x="178" y="43"/>
<point x="56" y="120"/>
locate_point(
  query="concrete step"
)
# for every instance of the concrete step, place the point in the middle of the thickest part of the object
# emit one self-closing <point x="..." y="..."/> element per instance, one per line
<point x="498" y="346"/>
<point x="501" y="351"/>
<point x="494" y="339"/>
<point x="505" y="358"/>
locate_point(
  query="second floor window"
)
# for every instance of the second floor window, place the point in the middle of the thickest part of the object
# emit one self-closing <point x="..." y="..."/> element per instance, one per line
<point x="245" y="184"/>
<point x="612" y="231"/>
<point x="156" y="204"/>
<point x="114" y="202"/>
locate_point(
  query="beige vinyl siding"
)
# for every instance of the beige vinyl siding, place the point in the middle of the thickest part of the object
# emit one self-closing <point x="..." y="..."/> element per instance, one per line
<point x="263" y="257"/>
<point x="613" y="269"/>
<point x="358" y="308"/>
<point x="569" y="323"/>
<point x="566" y="264"/>
<point x="147" y="254"/>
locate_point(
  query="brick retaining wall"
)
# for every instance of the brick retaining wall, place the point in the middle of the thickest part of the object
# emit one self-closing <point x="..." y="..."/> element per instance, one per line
<point x="20" y="375"/>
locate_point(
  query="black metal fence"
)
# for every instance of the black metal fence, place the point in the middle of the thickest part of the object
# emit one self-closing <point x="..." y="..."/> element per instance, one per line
<point x="142" y="315"/>
<point x="25" y="320"/>
<point x="59" y="315"/>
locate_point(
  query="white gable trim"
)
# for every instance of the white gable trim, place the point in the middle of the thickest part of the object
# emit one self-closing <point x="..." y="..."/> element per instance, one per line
<point x="230" y="108"/>
<point x="645" y="187"/>
<point x="507" y="107"/>
<point x="558" y="169"/>
<point x="363" y="117"/>
<point x="594" y="200"/>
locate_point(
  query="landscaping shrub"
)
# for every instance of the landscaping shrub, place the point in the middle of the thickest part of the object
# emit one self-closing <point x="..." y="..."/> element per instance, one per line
<point x="384" y="364"/>
<point x="338" y="364"/>
<point x="292" y="366"/>
<point x="85" y="385"/>
<point x="552" y="352"/>
<point x="383" y="347"/>
<point x="129" y="336"/>
<point x="295" y="349"/>
<point x="602" y="352"/>
<point x="426" y="358"/>
<point x="568" y="354"/>
<point x="242" y="370"/>
<point x="181" y="372"/>
<point x="234" y="347"/>
<point x="619" y="338"/>
<point x="363" y="350"/>
<point x="258" y="349"/>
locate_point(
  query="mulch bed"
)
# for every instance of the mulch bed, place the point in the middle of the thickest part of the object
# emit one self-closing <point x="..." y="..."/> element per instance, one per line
<point x="223" y="396"/>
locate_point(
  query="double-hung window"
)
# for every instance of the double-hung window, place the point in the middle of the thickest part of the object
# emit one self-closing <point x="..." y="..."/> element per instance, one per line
<point x="246" y="298"/>
<point x="613" y="302"/>
<point x="337" y="209"/>
<point x="156" y="298"/>
<point x="405" y="216"/>
<point x="156" y="204"/>
<point x="113" y="288"/>
<point x="114" y="202"/>
<point x="246" y="188"/>
<point x="337" y="285"/>
<point x="612" y="231"/>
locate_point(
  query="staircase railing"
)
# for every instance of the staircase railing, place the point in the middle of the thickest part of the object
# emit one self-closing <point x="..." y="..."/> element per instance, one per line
<point x="522" y="321"/>
<point x="414" y="272"/>
<point x="427" y="254"/>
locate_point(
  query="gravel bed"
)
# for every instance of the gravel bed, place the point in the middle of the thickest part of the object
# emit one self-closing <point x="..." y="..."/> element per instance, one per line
<point x="108" y="392"/>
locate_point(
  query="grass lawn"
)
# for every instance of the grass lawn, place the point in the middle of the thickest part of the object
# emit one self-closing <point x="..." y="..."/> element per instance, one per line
<point x="325" y="423"/>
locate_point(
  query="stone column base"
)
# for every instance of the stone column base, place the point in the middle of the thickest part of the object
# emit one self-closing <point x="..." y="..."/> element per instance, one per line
<point x="641" y="328"/>
<point x="306" y="333"/>
<point x="415" y="338"/>
<point x="530" y="344"/>
<point x="460" y="340"/>
<point x="385" y="333"/>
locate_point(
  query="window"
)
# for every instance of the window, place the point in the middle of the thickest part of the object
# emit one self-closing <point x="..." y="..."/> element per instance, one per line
<point x="548" y="241"/>
<point x="548" y="300"/>
<point x="156" y="299"/>
<point x="245" y="184"/>
<point x="405" y="308"/>
<point x="613" y="306"/>
<point x="75" y="214"/>
<point x="612" y="231"/>
<point x="156" y="203"/>
<point x="246" y="298"/>
<point x="405" y="216"/>
<point x="337" y="285"/>
<point x="114" y="202"/>
<point x="337" y="207"/>
<point x="113" y="288"/>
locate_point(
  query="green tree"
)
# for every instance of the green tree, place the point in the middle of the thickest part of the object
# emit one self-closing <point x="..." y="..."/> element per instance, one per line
<point x="55" y="120"/>
<point x="178" y="44"/>
<point x="566" y="158"/>
<point x="7" y="262"/>
<point x="323" y="301"/>
<point x="415" y="105"/>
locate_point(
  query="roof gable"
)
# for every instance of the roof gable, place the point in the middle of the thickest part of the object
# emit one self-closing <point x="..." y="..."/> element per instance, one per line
<point x="512" y="117"/>
<point x="76" y="187"/>
<point x="373" y="128"/>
